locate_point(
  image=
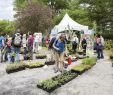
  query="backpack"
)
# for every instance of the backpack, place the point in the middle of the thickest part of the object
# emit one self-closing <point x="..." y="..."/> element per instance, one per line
<point x="17" y="39"/>
<point x="51" y="43"/>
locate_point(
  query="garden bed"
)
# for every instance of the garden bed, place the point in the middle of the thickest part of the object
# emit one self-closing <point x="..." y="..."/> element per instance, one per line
<point x="57" y="81"/>
<point x="15" y="67"/>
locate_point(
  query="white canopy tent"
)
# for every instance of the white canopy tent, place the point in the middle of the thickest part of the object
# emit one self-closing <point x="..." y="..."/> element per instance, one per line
<point x="68" y="24"/>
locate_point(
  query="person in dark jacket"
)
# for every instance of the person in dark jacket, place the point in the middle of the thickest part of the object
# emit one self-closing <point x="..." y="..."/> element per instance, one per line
<point x="16" y="45"/>
<point x="84" y="45"/>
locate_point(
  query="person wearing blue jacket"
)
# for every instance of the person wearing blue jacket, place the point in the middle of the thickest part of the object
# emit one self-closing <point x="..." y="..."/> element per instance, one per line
<point x="59" y="46"/>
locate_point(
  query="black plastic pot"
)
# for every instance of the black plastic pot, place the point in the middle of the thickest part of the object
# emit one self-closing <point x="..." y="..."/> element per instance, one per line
<point x="26" y="58"/>
<point x="48" y="90"/>
<point x="50" y="62"/>
<point x="35" y="66"/>
<point x="78" y="72"/>
<point x="111" y="57"/>
<point x="40" y="57"/>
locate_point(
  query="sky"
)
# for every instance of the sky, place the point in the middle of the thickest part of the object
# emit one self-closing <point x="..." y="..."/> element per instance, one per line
<point x="6" y="10"/>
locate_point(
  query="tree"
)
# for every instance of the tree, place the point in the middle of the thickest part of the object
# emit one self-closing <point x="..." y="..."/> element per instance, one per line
<point x="7" y="27"/>
<point x="100" y="11"/>
<point x="35" y="17"/>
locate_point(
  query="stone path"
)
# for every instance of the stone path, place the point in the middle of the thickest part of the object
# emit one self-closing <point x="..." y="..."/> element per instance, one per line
<point x="97" y="81"/>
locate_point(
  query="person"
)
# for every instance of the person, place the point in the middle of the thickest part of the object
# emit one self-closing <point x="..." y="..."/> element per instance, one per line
<point x="8" y="48"/>
<point x="2" y="44"/>
<point x="59" y="46"/>
<point x="24" y="43"/>
<point x="47" y="41"/>
<point x="30" y="46"/>
<point x="84" y="45"/>
<point x="50" y="47"/>
<point x="36" y="44"/>
<point x="100" y="46"/>
<point x="16" y="45"/>
<point x="74" y="43"/>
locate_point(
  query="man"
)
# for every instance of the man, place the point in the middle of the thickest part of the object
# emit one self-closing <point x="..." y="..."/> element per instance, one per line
<point x="100" y="46"/>
<point x="30" y="46"/>
<point x="84" y="45"/>
<point x="2" y="44"/>
<point x="74" y="43"/>
<point x="59" y="46"/>
<point x="50" y="47"/>
<point x="16" y="45"/>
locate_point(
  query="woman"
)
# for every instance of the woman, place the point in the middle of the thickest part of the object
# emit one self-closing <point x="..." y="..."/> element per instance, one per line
<point x="59" y="46"/>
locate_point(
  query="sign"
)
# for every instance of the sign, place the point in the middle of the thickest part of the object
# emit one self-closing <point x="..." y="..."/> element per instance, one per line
<point x="38" y="37"/>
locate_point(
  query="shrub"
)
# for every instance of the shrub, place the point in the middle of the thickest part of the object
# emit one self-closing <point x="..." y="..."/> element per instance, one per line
<point x="108" y="44"/>
<point x="15" y="67"/>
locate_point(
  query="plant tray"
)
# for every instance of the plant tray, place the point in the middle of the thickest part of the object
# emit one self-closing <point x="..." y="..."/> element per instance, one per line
<point x="50" y="62"/>
<point x="15" y="70"/>
<point x="40" y="57"/>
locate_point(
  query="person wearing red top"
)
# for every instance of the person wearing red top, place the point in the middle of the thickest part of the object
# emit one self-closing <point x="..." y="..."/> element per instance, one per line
<point x="100" y="46"/>
<point x="30" y="46"/>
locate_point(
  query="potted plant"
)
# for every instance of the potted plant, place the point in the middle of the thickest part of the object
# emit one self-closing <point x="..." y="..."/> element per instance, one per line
<point x="15" y="67"/>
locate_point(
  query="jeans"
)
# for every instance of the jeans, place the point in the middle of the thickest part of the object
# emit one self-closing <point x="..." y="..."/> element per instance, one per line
<point x="30" y="50"/>
<point x="100" y="53"/>
<point x="74" y="46"/>
<point x="1" y="54"/>
<point x="17" y="52"/>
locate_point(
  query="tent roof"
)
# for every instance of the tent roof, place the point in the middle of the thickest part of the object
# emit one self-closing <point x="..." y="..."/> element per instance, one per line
<point x="68" y="24"/>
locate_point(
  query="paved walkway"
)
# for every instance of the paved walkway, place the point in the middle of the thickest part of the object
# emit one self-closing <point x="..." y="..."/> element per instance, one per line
<point x="97" y="81"/>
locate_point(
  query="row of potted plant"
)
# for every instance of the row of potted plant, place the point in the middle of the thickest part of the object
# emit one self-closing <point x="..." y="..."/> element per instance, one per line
<point x="51" y="84"/>
<point x="15" y="67"/>
<point x="35" y="65"/>
<point x="50" y="62"/>
<point x="87" y="63"/>
<point x="41" y="56"/>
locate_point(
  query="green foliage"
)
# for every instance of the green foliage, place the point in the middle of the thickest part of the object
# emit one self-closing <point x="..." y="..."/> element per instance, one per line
<point x="15" y="67"/>
<point x="86" y="64"/>
<point x="49" y="84"/>
<point x="58" y="80"/>
<point x="34" y="17"/>
<point x="79" y="68"/>
<point x="108" y="44"/>
<point x="89" y="61"/>
<point x="34" y="64"/>
<point x="100" y="11"/>
<point x="6" y="27"/>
